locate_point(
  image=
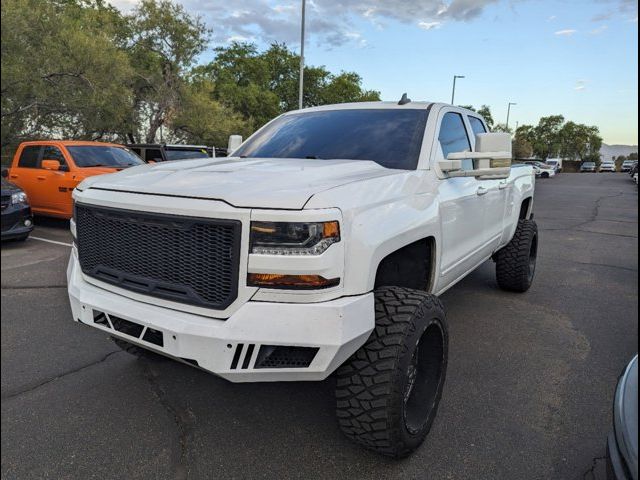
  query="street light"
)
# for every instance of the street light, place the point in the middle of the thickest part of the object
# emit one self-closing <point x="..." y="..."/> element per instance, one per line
<point x="453" y="93"/>
<point x="300" y="89"/>
<point x="509" y="111"/>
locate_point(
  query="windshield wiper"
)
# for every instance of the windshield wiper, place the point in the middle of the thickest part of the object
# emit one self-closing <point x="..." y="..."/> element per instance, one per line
<point x="313" y="157"/>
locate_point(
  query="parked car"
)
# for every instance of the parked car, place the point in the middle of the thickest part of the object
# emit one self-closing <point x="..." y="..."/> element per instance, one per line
<point x="607" y="166"/>
<point x="17" y="221"/>
<point x="160" y="152"/>
<point x="588" y="167"/>
<point x="546" y="171"/>
<point x="303" y="256"/>
<point x="622" y="444"/>
<point x="48" y="171"/>
<point x="627" y="165"/>
<point x="556" y="163"/>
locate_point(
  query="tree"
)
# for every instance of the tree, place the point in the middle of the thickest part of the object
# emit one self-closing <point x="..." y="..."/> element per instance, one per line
<point x="203" y="120"/>
<point x="580" y="142"/>
<point x="501" y="127"/>
<point x="633" y="156"/>
<point x="261" y="85"/>
<point x="485" y="111"/>
<point x="546" y="138"/>
<point x="165" y="43"/>
<point x="62" y="71"/>
<point x="521" y="147"/>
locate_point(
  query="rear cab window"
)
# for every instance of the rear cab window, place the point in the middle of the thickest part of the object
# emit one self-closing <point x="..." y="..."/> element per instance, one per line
<point x="152" y="154"/>
<point x="477" y="125"/>
<point x="53" y="153"/>
<point x="453" y="137"/>
<point x="29" y="157"/>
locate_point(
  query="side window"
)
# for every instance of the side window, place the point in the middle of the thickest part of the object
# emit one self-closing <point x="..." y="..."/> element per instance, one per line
<point x="152" y="154"/>
<point x="477" y="126"/>
<point x="53" y="153"/>
<point x="453" y="137"/>
<point x="136" y="151"/>
<point x="29" y="157"/>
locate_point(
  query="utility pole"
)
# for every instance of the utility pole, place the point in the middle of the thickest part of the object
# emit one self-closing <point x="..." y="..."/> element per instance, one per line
<point x="509" y="112"/>
<point x="301" y="88"/>
<point x="453" y="92"/>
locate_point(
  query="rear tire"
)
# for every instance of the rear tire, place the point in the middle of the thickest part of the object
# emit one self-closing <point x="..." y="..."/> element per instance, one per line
<point x="516" y="262"/>
<point x="136" y="351"/>
<point x="388" y="392"/>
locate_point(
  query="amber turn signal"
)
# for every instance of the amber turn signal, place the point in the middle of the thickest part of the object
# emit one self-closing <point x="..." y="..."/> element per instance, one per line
<point x="291" y="282"/>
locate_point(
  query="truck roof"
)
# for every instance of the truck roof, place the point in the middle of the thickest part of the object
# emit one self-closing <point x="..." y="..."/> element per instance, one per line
<point x="371" y="105"/>
<point x="70" y="143"/>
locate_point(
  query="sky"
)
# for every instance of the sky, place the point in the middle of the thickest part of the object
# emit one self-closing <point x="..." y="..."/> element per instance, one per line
<point x="570" y="57"/>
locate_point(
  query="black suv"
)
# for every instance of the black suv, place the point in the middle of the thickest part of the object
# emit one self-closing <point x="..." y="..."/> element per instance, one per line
<point x="161" y="152"/>
<point x="17" y="221"/>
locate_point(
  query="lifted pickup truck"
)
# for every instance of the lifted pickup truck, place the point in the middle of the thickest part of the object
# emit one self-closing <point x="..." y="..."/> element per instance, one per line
<point x="321" y="246"/>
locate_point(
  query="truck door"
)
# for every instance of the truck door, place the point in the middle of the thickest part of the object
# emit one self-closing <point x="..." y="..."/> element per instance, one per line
<point x="56" y="185"/>
<point x="24" y="173"/>
<point x="495" y="196"/>
<point x="462" y="205"/>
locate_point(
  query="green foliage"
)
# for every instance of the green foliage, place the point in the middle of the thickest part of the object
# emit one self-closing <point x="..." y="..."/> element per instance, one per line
<point x="261" y="85"/>
<point x="485" y="112"/>
<point x="554" y="137"/>
<point x="82" y="69"/>
<point x="62" y="71"/>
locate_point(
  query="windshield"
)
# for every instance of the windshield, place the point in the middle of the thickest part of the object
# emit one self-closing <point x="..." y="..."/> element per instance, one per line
<point x="86" y="156"/>
<point x="589" y="164"/>
<point x="182" y="154"/>
<point x="552" y="162"/>
<point x="389" y="137"/>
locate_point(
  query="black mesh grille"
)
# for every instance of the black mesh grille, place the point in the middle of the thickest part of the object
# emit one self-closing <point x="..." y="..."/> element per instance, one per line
<point x="185" y="259"/>
<point x="274" y="356"/>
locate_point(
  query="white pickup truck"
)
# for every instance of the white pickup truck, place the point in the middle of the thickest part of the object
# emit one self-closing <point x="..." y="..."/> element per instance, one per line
<point x="320" y="246"/>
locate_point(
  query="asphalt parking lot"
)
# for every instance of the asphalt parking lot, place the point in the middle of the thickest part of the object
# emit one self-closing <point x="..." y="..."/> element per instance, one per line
<point x="528" y="395"/>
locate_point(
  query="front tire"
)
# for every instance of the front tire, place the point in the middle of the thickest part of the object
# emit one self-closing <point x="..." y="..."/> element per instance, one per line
<point x="516" y="262"/>
<point x="388" y="392"/>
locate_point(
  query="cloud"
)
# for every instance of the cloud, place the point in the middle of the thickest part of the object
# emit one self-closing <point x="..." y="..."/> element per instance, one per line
<point x="551" y="18"/>
<point x="331" y="22"/>
<point x="626" y="8"/>
<point x="565" y="33"/>
<point x="599" y="30"/>
<point x="429" y="25"/>
<point x="580" y="85"/>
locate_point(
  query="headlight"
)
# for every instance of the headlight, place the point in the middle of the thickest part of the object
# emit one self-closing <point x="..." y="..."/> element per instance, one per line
<point x="18" y="198"/>
<point x="289" y="238"/>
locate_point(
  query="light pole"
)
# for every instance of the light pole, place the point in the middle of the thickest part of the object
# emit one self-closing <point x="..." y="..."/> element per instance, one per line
<point x="509" y="112"/>
<point x="453" y="92"/>
<point x="300" y="89"/>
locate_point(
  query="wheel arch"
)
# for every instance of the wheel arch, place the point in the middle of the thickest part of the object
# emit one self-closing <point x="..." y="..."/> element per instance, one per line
<point x="402" y="268"/>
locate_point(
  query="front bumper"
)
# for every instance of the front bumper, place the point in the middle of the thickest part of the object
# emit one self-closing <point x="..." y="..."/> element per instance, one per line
<point x="17" y="222"/>
<point x="230" y="348"/>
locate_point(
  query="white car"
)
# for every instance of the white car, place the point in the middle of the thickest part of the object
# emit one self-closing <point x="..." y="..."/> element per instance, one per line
<point x="555" y="163"/>
<point x="321" y="245"/>
<point x="542" y="169"/>
<point x="607" y="166"/>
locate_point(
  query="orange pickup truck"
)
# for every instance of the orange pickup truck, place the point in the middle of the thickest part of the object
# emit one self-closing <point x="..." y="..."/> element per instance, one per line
<point x="48" y="171"/>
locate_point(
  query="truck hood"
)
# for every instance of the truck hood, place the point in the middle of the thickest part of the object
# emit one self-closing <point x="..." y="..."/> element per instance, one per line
<point x="251" y="182"/>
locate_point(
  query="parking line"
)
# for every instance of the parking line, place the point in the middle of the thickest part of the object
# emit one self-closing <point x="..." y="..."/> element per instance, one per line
<point x="51" y="241"/>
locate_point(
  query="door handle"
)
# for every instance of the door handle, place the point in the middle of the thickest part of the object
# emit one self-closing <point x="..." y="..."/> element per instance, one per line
<point x="41" y="178"/>
<point x="482" y="191"/>
<point x="503" y="185"/>
<point x="14" y="176"/>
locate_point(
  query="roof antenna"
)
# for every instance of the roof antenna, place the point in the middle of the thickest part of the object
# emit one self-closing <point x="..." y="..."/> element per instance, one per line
<point x="404" y="100"/>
